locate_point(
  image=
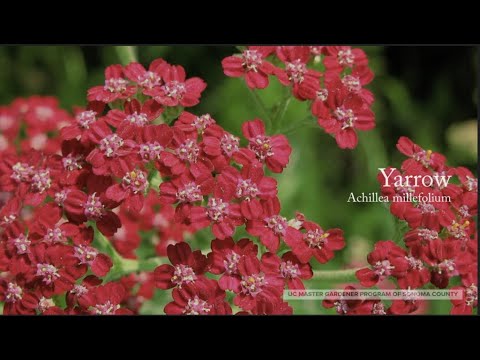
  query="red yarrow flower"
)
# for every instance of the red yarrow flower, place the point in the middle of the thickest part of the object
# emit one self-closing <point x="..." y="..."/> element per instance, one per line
<point x="315" y="242"/>
<point x="151" y="142"/>
<point x="186" y="151"/>
<point x="417" y="274"/>
<point x="220" y="211"/>
<point x="80" y="207"/>
<point x="417" y="155"/>
<point x="274" y="150"/>
<point x="106" y="300"/>
<point x="252" y="65"/>
<point x="16" y="298"/>
<point x="131" y="190"/>
<point x="224" y="260"/>
<point x="204" y="297"/>
<point x="114" y="152"/>
<point x="387" y="259"/>
<point x="135" y="114"/>
<point x="289" y="268"/>
<point x="81" y="125"/>
<point x="186" y="268"/>
<point x="304" y="81"/>
<point x="468" y="180"/>
<point x="467" y="303"/>
<point x="272" y="227"/>
<point x="256" y="284"/>
<point x="115" y="87"/>
<point x="446" y="261"/>
<point x="345" y="114"/>
<point x="177" y="90"/>
<point x="251" y="185"/>
<point x="79" y="294"/>
<point x="54" y="268"/>
<point x="349" y="306"/>
<point x="190" y="123"/>
<point x="187" y="189"/>
<point x="219" y="146"/>
<point x="341" y="57"/>
<point x="147" y="80"/>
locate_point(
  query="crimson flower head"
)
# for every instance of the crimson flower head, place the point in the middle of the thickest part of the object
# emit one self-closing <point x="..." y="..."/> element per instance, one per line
<point x="149" y="79"/>
<point x="387" y="259"/>
<point x="177" y="90"/>
<point x="467" y="303"/>
<point x="446" y="260"/>
<point x="224" y="260"/>
<point x="54" y="268"/>
<point x="274" y="150"/>
<point x="80" y="126"/>
<point x="106" y="300"/>
<point x="47" y="226"/>
<point x="349" y="306"/>
<point x="352" y="83"/>
<point x="79" y="295"/>
<point x="131" y="190"/>
<point x="190" y="123"/>
<point x="152" y="141"/>
<point x="342" y="57"/>
<point x="417" y="274"/>
<point x="407" y="305"/>
<point x="204" y="297"/>
<point x="219" y="146"/>
<point x="251" y="185"/>
<point x="432" y="215"/>
<point x="186" y="268"/>
<point x="417" y="155"/>
<point x="116" y="86"/>
<point x="345" y="114"/>
<point x="16" y="298"/>
<point x="257" y="284"/>
<point x="186" y="151"/>
<point x="468" y="180"/>
<point x="289" y="268"/>
<point x="220" y="211"/>
<point x="72" y="162"/>
<point x="135" y="114"/>
<point x="187" y="189"/>
<point x="252" y="65"/>
<point x="316" y="242"/>
<point x="304" y="81"/>
<point x="80" y="207"/>
<point x="272" y="227"/>
<point x="114" y="152"/>
<point x="89" y="257"/>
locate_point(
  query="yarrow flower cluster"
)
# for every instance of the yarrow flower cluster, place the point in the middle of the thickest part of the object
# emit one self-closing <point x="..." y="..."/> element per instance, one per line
<point x="99" y="209"/>
<point x="331" y="78"/>
<point x="81" y="191"/>
<point x="440" y="245"/>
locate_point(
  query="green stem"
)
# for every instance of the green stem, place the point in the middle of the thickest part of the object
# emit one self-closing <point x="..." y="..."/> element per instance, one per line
<point x="122" y="267"/>
<point x="263" y="108"/>
<point x="282" y="111"/>
<point x="337" y="275"/>
<point x="306" y="122"/>
<point x="126" y="54"/>
<point x="282" y="108"/>
<point x="105" y="246"/>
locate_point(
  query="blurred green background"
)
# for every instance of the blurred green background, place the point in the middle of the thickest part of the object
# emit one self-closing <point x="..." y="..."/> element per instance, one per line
<point x="426" y="93"/>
